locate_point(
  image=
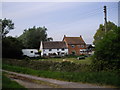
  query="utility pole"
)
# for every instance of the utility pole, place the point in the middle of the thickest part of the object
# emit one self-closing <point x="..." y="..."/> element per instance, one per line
<point x="105" y="17"/>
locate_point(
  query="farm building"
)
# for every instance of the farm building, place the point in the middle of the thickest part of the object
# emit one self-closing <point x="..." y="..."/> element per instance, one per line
<point x="53" y="48"/>
<point x="75" y="45"/>
<point x="68" y="46"/>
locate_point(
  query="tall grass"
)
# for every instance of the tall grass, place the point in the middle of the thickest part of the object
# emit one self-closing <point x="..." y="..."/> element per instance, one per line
<point x="7" y="83"/>
<point x="66" y="66"/>
<point x="103" y="78"/>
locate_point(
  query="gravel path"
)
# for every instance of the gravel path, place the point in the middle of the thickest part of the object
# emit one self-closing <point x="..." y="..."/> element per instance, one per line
<point x="49" y="83"/>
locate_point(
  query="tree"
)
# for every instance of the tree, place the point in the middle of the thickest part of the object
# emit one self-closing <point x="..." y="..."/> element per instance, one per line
<point x="107" y="52"/>
<point x="0" y="32"/>
<point x="50" y="39"/>
<point x="101" y="31"/>
<point x="31" y="38"/>
<point x="7" y="25"/>
<point x="12" y="48"/>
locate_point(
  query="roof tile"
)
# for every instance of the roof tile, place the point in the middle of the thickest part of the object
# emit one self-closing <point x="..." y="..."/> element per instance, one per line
<point x="54" y="45"/>
<point x="74" y="40"/>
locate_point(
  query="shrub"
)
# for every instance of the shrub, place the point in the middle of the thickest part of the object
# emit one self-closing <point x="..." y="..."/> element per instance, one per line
<point x="65" y="66"/>
<point x="12" y="48"/>
<point x="107" y="52"/>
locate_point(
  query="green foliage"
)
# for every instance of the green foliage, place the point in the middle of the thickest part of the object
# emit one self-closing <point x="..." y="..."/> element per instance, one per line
<point x="108" y="78"/>
<point x="11" y="48"/>
<point x="72" y="59"/>
<point x="101" y="31"/>
<point x="49" y="65"/>
<point x="7" y="25"/>
<point x="108" y="47"/>
<point x="31" y="37"/>
<point x="107" y="52"/>
<point x="7" y="83"/>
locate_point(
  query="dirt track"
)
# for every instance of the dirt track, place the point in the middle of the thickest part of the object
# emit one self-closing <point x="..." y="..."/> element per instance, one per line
<point x="30" y="81"/>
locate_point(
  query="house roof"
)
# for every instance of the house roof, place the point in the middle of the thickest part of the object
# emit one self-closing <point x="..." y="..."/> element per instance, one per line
<point x="54" y="45"/>
<point x="74" y="40"/>
<point x="90" y="46"/>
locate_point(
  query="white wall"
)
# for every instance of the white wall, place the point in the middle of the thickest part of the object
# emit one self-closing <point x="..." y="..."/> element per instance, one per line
<point x="46" y="51"/>
<point x="41" y="48"/>
<point x="28" y="53"/>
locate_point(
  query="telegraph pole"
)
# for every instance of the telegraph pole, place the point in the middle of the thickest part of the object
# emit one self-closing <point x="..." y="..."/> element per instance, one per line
<point x="105" y="17"/>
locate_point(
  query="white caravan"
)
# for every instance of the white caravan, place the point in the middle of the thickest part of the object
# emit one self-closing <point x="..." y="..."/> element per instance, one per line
<point x="30" y="52"/>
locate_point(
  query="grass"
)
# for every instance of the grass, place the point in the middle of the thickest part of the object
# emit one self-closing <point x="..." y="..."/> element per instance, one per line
<point x="8" y="83"/>
<point x="53" y="65"/>
<point x="87" y="60"/>
<point x="102" y="78"/>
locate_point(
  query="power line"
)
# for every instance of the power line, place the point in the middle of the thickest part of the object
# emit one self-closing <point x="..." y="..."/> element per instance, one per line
<point x="95" y="12"/>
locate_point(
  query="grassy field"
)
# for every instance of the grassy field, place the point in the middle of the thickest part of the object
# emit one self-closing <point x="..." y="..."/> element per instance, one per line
<point x="87" y="60"/>
<point x="8" y="83"/>
<point x="52" y="64"/>
<point x="102" y="78"/>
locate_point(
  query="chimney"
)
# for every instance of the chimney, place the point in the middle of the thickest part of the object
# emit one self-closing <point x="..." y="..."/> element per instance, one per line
<point x="80" y="36"/>
<point x="64" y="35"/>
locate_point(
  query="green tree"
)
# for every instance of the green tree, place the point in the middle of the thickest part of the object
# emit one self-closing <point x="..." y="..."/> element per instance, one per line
<point x="101" y="31"/>
<point x="12" y="48"/>
<point x="31" y="38"/>
<point x="7" y="25"/>
<point x="107" y="52"/>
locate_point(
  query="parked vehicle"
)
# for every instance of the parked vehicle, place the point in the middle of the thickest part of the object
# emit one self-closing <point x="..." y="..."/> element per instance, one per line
<point x="30" y="52"/>
<point x="82" y="57"/>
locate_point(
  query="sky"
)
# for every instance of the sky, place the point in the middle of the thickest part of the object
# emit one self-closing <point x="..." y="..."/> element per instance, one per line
<point x="60" y="18"/>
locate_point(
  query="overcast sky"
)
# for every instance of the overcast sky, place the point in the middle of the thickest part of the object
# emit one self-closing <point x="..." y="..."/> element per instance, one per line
<point x="61" y="18"/>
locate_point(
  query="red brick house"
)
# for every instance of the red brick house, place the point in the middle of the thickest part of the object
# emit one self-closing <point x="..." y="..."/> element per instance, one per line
<point x="75" y="45"/>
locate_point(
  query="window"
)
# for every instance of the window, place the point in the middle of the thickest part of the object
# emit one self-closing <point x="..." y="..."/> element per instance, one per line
<point x="44" y="55"/>
<point x="44" y="50"/>
<point x="57" y="49"/>
<point x="36" y="53"/>
<point x="63" y="49"/>
<point x="50" y="49"/>
<point x="83" y="51"/>
<point x="72" y="46"/>
<point x="31" y="51"/>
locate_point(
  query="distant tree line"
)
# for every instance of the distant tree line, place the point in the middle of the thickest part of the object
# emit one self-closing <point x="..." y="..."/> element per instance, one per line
<point x="31" y="38"/>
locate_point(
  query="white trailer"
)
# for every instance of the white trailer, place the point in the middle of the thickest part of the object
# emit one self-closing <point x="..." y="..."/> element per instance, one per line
<point x="30" y="52"/>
